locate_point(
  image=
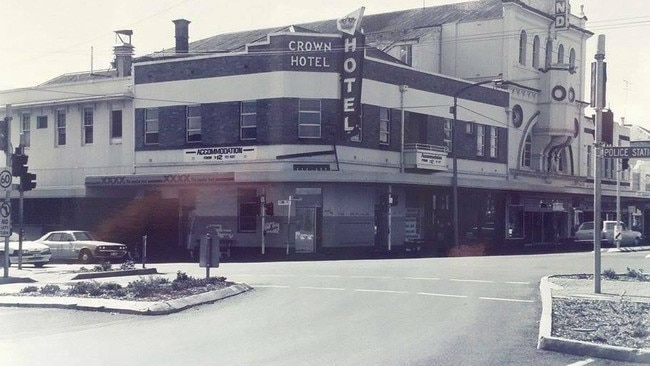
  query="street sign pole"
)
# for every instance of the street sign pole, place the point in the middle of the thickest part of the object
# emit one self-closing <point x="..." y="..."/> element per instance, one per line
<point x="8" y="191"/>
<point x="599" y="105"/>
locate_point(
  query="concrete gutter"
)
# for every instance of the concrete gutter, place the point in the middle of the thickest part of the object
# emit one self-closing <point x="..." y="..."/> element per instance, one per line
<point x="550" y="343"/>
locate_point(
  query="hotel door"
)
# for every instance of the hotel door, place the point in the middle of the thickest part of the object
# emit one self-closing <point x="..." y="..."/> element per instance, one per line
<point x="306" y="233"/>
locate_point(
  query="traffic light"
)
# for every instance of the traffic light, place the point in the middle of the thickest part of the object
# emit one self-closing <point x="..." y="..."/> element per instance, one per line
<point x="18" y="163"/>
<point x="4" y="135"/>
<point x="27" y="182"/>
<point x="268" y="209"/>
<point x="625" y="164"/>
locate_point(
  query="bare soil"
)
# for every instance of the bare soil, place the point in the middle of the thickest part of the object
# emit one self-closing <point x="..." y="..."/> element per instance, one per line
<point x="620" y="317"/>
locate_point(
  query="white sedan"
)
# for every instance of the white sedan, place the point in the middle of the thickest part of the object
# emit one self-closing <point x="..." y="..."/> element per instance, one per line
<point x="82" y="246"/>
<point x="34" y="253"/>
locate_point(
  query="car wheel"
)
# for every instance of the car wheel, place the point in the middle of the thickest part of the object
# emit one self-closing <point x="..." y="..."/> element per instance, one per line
<point x="637" y="241"/>
<point x="39" y="264"/>
<point x="85" y="256"/>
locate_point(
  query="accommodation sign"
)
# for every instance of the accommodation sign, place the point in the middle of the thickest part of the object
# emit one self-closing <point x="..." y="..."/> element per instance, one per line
<point x="219" y="154"/>
<point x="351" y="72"/>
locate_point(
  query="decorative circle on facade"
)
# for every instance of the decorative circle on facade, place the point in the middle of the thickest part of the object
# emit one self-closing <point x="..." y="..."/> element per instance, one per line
<point x="517" y="115"/>
<point x="572" y="95"/>
<point x="576" y="128"/>
<point x="558" y="93"/>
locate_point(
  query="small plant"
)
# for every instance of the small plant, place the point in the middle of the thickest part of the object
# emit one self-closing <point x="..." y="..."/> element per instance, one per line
<point x="85" y="288"/>
<point x="50" y="289"/>
<point x="149" y="287"/>
<point x="609" y="274"/>
<point x="106" y="265"/>
<point x="127" y="266"/>
<point x="29" y="289"/>
<point x="638" y="275"/>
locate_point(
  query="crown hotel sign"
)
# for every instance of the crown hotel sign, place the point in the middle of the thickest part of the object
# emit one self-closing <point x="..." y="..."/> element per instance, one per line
<point x="351" y="74"/>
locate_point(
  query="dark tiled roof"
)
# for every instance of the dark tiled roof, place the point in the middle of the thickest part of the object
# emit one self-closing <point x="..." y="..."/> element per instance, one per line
<point x="393" y="26"/>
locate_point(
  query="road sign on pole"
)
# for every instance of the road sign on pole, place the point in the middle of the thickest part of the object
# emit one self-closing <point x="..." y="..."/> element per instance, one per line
<point x="5" y="219"/>
<point x="5" y="178"/>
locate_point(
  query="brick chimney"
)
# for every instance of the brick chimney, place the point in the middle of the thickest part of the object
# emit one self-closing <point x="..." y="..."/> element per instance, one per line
<point x="123" y="51"/>
<point x="182" y="35"/>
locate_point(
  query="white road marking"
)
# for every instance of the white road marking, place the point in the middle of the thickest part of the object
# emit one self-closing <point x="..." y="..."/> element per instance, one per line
<point x="270" y="286"/>
<point x="325" y="276"/>
<point x="381" y="291"/>
<point x="582" y="363"/>
<point x="502" y="299"/>
<point x="376" y="277"/>
<point x="422" y="278"/>
<point x="441" y="295"/>
<point x="477" y="281"/>
<point x="322" y="288"/>
<point x="517" y="283"/>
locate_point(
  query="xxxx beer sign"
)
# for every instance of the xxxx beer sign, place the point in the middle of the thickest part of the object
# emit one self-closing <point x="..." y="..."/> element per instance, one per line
<point x="351" y="72"/>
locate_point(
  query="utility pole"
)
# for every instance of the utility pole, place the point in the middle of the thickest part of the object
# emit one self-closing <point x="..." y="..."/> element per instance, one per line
<point x="7" y="147"/>
<point x="598" y="81"/>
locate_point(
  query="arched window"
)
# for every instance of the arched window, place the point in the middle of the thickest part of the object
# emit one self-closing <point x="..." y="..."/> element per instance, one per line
<point x="548" y="57"/>
<point x="523" y="40"/>
<point x="560" y="54"/>
<point x="526" y="154"/>
<point x="536" y="52"/>
<point x="572" y="59"/>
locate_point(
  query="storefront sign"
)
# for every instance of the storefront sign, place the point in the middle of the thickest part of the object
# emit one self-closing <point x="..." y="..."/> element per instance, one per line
<point x="351" y="74"/>
<point x="561" y="14"/>
<point x="309" y="53"/>
<point x="219" y="154"/>
<point x="431" y="160"/>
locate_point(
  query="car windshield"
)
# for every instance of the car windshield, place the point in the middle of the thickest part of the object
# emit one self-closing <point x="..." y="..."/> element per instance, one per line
<point x="83" y="235"/>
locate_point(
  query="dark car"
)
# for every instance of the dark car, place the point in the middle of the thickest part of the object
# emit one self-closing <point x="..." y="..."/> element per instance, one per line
<point x="70" y="245"/>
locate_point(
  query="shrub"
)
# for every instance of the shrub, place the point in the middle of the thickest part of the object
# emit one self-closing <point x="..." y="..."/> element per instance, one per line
<point x="50" y="289"/>
<point x="127" y="266"/>
<point x="610" y="274"/>
<point x="28" y="289"/>
<point x="85" y="288"/>
<point x="639" y="275"/>
<point x="106" y="266"/>
<point x="149" y="286"/>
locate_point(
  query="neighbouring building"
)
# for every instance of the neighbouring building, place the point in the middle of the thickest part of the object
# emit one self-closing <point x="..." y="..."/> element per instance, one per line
<point x="351" y="135"/>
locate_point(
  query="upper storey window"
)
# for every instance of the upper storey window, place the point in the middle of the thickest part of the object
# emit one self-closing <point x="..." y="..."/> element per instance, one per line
<point x="523" y="40"/>
<point x="193" y="123"/>
<point x="560" y="54"/>
<point x="536" y="52"/>
<point x="309" y="118"/>
<point x="406" y="54"/>
<point x="151" y="128"/>
<point x="548" y="57"/>
<point x="248" y="120"/>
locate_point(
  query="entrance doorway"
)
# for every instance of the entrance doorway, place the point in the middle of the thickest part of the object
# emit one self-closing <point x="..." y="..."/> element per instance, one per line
<point x="307" y="229"/>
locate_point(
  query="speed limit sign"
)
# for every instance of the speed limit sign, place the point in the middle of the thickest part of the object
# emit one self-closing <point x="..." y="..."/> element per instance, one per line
<point x="5" y="179"/>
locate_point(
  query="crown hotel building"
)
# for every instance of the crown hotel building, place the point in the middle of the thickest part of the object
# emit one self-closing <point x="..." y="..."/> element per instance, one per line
<point x="431" y="127"/>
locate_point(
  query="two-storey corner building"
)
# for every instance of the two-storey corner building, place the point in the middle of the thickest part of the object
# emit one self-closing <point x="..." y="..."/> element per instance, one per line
<point x="357" y="134"/>
<point x="72" y="127"/>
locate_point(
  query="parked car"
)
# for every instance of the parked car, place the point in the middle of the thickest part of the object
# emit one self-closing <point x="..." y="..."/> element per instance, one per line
<point x="33" y="253"/>
<point x="585" y="232"/>
<point x="78" y="245"/>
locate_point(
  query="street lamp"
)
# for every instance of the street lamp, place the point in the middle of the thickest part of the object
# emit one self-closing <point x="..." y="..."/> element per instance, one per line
<point x="454" y="149"/>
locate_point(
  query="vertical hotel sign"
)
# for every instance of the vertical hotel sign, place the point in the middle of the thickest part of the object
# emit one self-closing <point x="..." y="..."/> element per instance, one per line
<point x="562" y="14"/>
<point x="351" y="73"/>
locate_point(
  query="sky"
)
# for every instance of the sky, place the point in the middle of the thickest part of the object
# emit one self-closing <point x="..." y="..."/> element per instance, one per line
<point x="46" y="38"/>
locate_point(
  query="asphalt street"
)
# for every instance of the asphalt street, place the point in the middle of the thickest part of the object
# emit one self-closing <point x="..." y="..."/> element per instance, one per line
<point x="433" y="311"/>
